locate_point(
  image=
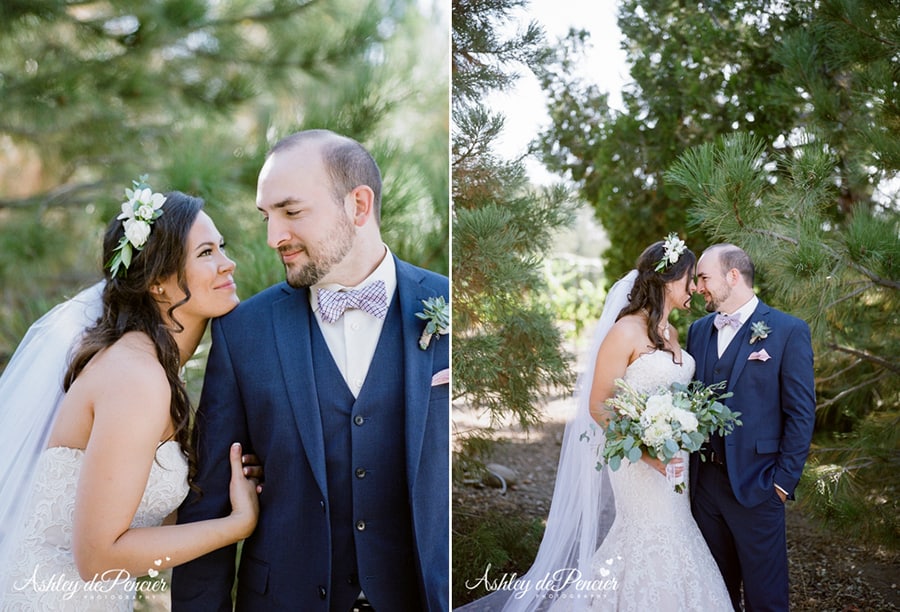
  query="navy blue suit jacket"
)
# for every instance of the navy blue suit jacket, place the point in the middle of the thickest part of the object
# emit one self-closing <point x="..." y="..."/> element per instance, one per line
<point x="776" y="399"/>
<point x="260" y="390"/>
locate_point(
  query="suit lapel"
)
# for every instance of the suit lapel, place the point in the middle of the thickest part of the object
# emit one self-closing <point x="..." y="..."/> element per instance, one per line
<point x="705" y="336"/>
<point x="417" y="364"/>
<point x="293" y="341"/>
<point x="745" y="348"/>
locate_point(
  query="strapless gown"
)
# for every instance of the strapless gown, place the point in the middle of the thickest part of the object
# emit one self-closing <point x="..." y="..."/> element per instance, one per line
<point x="43" y="576"/>
<point x="654" y="550"/>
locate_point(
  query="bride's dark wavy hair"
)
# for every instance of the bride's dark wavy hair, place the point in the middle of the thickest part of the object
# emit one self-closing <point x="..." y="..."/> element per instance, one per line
<point x="129" y="307"/>
<point x="649" y="291"/>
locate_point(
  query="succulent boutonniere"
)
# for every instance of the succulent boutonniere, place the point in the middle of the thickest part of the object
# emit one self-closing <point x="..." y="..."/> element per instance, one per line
<point x="437" y="313"/>
<point x="759" y="331"/>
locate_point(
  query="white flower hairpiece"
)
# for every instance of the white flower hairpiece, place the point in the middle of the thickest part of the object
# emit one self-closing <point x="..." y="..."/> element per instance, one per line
<point x="142" y="208"/>
<point x="672" y="250"/>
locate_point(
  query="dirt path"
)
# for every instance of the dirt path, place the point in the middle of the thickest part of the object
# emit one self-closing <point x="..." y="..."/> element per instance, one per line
<point x="826" y="572"/>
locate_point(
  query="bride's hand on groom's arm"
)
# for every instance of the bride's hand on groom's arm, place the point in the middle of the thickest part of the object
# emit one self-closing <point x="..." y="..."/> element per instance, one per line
<point x="244" y="495"/>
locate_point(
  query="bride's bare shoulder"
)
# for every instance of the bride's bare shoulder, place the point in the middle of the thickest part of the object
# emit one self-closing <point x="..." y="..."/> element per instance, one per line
<point x="632" y="327"/>
<point x="130" y="363"/>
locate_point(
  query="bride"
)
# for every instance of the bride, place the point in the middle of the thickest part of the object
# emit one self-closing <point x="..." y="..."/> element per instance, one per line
<point x="89" y="471"/>
<point x="624" y="539"/>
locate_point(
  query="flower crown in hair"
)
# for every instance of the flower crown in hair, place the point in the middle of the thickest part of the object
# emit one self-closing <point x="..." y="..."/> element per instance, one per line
<point x="672" y="250"/>
<point x="139" y="212"/>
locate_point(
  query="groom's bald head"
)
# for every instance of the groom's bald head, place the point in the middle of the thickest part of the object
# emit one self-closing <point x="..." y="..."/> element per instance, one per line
<point x="732" y="257"/>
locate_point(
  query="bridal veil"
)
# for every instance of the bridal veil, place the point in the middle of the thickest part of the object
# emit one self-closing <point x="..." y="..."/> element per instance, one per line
<point x="31" y="388"/>
<point x="582" y="508"/>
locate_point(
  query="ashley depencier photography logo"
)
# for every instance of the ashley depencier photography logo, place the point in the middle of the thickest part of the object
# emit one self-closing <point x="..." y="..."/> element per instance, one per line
<point x="566" y="582"/>
<point x="111" y="584"/>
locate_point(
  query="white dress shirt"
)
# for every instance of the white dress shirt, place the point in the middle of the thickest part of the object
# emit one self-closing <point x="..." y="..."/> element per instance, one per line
<point x="727" y="333"/>
<point x="352" y="339"/>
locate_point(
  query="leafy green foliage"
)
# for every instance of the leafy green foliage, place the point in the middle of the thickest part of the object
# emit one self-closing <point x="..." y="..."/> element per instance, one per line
<point x="496" y="544"/>
<point x="850" y="482"/>
<point x="507" y="348"/>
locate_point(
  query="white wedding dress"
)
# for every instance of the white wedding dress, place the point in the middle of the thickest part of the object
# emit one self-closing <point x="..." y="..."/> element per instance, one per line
<point x="654" y="556"/>
<point x="43" y="576"/>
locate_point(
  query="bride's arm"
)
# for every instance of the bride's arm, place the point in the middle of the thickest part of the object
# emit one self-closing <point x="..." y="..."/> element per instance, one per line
<point x="131" y="412"/>
<point x="612" y="361"/>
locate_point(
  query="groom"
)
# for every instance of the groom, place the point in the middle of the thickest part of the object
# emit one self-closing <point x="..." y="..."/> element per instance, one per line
<point x="323" y="377"/>
<point x="738" y="493"/>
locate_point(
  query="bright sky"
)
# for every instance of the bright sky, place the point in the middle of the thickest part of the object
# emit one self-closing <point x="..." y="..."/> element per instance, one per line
<point x="604" y="64"/>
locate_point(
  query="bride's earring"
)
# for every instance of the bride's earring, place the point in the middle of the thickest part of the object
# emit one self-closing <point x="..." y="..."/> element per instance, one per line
<point x="159" y="289"/>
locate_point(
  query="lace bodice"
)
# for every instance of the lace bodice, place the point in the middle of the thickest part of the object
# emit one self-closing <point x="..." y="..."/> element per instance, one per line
<point x="653" y="370"/>
<point x="43" y="572"/>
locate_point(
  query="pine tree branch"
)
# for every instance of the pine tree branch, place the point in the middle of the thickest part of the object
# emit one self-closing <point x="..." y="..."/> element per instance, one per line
<point x="884" y="282"/>
<point x="851" y="295"/>
<point x="839" y="373"/>
<point x="846" y="392"/>
<point x="867" y="34"/>
<point x="867" y="356"/>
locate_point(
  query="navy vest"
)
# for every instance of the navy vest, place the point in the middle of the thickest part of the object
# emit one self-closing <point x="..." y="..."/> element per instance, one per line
<point x="719" y="369"/>
<point x="368" y="496"/>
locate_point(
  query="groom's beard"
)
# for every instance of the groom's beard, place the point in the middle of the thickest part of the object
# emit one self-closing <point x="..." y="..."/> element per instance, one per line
<point x="713" y="301"/>
<point x="323" y="256"/>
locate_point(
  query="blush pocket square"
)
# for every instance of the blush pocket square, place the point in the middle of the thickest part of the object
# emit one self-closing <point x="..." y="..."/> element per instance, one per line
<point x="441" y="378"/>
<point x="759" y="356"/>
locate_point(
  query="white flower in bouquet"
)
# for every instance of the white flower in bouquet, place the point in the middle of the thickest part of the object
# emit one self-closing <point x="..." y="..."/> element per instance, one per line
<point x="657" y="407"/>
<point x="656" y="433"/>
<point x="686" y="419"/>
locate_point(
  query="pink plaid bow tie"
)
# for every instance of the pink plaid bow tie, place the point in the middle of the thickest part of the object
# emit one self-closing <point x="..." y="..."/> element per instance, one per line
<point x="723" y="320"/>
<point x="372" y="299"/>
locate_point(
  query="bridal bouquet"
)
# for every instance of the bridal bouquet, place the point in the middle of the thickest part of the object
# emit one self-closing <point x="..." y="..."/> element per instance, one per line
<point x="664" y="423"/>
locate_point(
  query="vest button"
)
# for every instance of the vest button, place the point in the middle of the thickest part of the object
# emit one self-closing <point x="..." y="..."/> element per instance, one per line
<point x="322" y="504"/>
<point x="360" y="472"/>
<point x="322" y="592"/>
<point x="360" y="525"/>
<point x="358" y="419"/>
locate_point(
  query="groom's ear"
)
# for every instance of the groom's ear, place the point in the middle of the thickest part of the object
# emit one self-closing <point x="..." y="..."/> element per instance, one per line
<point x="734" y="277"/>
<point x="363" y="200"/>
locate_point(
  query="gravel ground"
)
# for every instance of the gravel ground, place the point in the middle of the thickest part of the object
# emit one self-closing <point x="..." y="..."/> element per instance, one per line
<point x="827" y="573"/>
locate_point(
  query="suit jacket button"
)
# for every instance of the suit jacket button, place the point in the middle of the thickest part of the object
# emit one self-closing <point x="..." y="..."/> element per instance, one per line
<point x="322" y="592"/>
<point x="358" y="419"/>
<point x="322" y="504"/>
<point x="360" y="472"/>
<point x="360" y="525"/>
